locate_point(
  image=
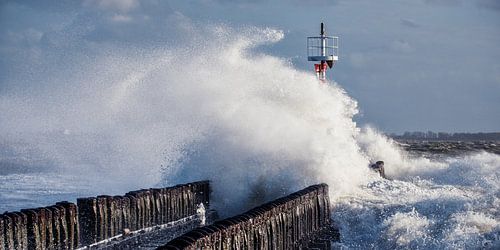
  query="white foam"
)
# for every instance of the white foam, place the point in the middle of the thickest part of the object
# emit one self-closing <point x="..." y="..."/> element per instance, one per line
<point x="450" y="204"/>
<point x="406" y="229"/>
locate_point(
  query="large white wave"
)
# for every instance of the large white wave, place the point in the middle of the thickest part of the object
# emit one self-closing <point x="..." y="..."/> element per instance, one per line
<point x="211" y="109"/>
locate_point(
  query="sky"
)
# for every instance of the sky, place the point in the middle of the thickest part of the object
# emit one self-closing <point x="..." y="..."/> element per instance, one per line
<point x="412" y="65"/>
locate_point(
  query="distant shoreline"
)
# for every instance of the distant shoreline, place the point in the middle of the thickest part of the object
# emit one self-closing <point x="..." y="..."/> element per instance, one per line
<point x="448" y="147"/>
<point x="447" y="137"/>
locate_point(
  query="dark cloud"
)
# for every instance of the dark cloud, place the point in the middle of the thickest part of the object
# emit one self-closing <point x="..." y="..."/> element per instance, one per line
<point x="489" y="4"/>
<point x="409" y="23"/>
<point x="319" y="2"/>
<point x="44" y="5"/>
<point x="240" y="1"/>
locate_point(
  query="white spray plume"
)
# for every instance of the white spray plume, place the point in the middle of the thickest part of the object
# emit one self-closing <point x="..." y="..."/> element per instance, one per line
<point x="212" y="109"/>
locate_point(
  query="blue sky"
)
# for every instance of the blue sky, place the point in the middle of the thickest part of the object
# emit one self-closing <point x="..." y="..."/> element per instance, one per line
<point x="411" y="64"/>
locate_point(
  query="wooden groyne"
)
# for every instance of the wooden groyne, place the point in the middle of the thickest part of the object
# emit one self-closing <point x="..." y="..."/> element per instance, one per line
<point x="152" y="218"/>
<point x="291" y="222"/>
<point x="52" y="227"/>
<point x="66" y="225"/>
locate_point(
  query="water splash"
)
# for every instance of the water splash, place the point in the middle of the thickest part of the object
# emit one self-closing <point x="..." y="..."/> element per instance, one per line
<point x="210" y="109"/>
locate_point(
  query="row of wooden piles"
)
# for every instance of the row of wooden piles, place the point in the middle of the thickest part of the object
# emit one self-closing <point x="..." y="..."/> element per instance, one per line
<point x="66" y="225"/>
<point x="291" y="222"/>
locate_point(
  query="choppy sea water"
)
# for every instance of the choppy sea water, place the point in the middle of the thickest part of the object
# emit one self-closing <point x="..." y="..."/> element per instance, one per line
<point x="31" y="190"/>
<point x="452" y="204"/>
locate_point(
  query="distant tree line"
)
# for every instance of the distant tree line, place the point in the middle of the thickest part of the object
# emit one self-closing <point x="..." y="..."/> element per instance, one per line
<point x="443" y="136"/>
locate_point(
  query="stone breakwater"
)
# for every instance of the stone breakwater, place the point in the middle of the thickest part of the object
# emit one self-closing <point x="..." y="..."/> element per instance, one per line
<point x="291" y="222"/>
<point x="66" y="225"/>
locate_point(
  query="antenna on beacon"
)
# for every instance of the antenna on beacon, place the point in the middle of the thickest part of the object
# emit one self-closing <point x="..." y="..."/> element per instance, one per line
<point x="323" y="49"/>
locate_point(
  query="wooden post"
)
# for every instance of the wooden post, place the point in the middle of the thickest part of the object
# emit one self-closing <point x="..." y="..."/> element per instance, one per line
<point x="132" y="221"/>
<point x="119" y="214"/>
<point x="111" y="216"/>
<point x="8" y="231"/>
<point x="19" y="221"/>
<point x="168" y="204"/>
<point x="148" y="211"/>
<point x="2" y="234"/>
<point x="88" y="220"/>
<point x="125" y="203"/>
<point x="72" y="227"/>
<point x="44" y="227"/>
<point x="33" y="229"/>
<point x="102" y="218"/>
<point x="59" y="227"/>
<point x="157" y="206"/>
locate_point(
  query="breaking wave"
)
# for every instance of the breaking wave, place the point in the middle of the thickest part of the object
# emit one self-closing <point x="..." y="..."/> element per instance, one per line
<point x="450" y="205"/>
<point x="215" y="110"/>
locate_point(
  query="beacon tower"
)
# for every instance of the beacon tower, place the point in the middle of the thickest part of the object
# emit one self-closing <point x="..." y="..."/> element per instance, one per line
<point x="322" y="49"/>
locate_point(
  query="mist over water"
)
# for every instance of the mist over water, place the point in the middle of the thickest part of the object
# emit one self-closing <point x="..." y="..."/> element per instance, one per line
<point x="127" y="117"/>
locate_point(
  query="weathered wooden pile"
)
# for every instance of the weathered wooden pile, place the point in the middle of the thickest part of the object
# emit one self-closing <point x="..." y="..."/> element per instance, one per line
<point x="50" y="227"/>
<point x="290" y="222"/>
<point x="67" y="225"/>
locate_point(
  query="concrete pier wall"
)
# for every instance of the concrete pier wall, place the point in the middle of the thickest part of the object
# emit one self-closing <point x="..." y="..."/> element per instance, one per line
<point x="289" y="222"/>
<point x="66" y="225"/>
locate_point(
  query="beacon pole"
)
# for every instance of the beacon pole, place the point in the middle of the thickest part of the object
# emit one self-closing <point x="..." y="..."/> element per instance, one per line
<point x="322" y="49"/>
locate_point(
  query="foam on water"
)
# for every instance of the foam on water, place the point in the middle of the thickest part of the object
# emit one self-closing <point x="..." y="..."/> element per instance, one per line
<point x="123" y="117"/>
<point x="453" y="204"/>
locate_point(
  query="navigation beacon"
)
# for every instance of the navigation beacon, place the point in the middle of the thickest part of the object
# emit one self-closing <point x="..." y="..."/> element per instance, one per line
<point x="323" y="49"/>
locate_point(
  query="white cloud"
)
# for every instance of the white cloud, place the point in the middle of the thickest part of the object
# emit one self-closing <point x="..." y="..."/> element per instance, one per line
<point x="122" y="6"/>
<point x="121" y="18"/>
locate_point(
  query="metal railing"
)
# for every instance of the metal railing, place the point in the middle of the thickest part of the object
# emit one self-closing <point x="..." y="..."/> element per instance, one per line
<point x="314" y="46"/>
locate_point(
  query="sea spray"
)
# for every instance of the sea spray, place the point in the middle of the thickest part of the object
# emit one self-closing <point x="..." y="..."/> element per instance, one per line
<point x="145" y="115"/>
